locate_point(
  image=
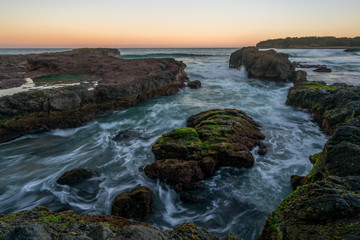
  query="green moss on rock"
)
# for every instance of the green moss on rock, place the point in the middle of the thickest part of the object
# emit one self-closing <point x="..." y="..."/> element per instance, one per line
<point x="213" y="139"/>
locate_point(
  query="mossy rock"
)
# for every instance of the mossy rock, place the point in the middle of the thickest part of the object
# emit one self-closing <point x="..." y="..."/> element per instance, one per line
<point x="213" y="139"/>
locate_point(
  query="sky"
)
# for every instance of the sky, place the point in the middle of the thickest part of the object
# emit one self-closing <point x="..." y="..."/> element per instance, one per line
<point x="166" y="23"/>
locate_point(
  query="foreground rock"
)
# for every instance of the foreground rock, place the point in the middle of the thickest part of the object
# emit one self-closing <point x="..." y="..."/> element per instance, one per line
<point x="326" y="204"/>
<point x="213" y="139"/>
<point x="117" y="83"/>
<point x="76" y="176"/>
<point x="137" y="204"/>
<point x="266" y="65"/>
<point x="42" y="224"/>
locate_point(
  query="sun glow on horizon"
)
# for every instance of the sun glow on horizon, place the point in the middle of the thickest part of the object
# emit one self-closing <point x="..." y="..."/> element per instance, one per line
<point x="160" y="23"/>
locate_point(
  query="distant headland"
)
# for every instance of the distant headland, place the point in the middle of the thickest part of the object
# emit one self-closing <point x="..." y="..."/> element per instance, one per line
<point x="311" y="42"/>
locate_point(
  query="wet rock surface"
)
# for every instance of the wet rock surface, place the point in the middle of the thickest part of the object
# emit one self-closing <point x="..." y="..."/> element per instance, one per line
<point x="323" y="69"/>
<point x="76" y="176"/>
<point x="326" y="202"/>
<point x="266" y="65"/>
<point x="194" y="84"/>
<point x="120" y="84"/>
<point x="41" y="224"/>
<point x="213" y="139"/>
<point x="137" y="204"/>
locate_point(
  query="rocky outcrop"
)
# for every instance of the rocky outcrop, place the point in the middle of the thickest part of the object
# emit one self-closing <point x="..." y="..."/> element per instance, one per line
<point x="194" y="84"/>
<point x="76" y="176"/>
<point x="326" y="203"/>
<point x="137" y="204"/>
<point x="213" y="139"/>
<point x="352" y="50"/>
<point x="120" y="84"/>
<point x="42" y="224"/>
<point x="266" y="65"/>
<point x="323" y="69"/>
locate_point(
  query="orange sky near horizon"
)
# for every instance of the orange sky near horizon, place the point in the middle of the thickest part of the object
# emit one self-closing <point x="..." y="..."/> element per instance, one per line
<point x="160" y="23"/>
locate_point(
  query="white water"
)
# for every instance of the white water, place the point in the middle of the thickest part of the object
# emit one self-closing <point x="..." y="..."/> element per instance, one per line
<point x="237" y="200"/>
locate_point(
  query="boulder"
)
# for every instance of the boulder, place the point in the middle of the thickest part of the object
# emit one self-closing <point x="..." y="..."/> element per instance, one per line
<point x="213" y="139"/>
<point x="135" y="204"/>
<point x="194" y="84"/>
<point x="266" y="65"/>
<point x="76" y="176"/>
<point x="320" y="210"/>
<point x="323" y="69"/>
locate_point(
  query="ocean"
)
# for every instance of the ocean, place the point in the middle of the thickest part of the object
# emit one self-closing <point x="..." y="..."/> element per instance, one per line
<point x="236" y="200"/>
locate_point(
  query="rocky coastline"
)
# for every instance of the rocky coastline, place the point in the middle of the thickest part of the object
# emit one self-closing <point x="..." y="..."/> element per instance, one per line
<point x="118" y="84"/>
<point x="325" y="204"/>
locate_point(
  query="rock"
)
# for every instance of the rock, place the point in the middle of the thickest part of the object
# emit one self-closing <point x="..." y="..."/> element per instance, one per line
<point x="321" y="210"/>
<point x="191" y="231"/>
<point x="352" y="50"/>
<point x="296" y="181"/>
<point x="141" y="233"/>
<point x="323" y="69"/>
<point x="76" y="176"/>
<point x="100" y="232"/>
<point x="327" y="205"/>
<point x="135" y="204"/>
<point x="213" y="139"/>
<point x="116" y="83"/>
<point x="232" y="236"/>
<point x="40" y="223"/>
<point x="194" y="84"/>
<point x="27" y="232"/>
<point x="267" y="65"/>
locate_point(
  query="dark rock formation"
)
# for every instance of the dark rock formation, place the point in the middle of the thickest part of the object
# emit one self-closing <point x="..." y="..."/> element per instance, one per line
<point x="194" y="84"/>
<point x="121" y="84"/>
<point x="41" y="224"/>
<point x="326" y="205"/>
<point x="352" y="50"/>
<point x="267" y="65"/>
<point x="76" y="176"/>
<point x="296" y="181"/>
<point x="323" y="69"/>
<point x="214" y="138"/>
<point x="136" y="204"/>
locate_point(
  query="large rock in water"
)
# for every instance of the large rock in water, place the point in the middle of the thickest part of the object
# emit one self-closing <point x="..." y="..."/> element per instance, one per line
<point x="118" y="83"/>
<point x="267" y="65"/>
<point x="41" y="224"/>
<point x="213" y="139"/>
<point x="135" y="204"/>
<point x="326" y="203"/>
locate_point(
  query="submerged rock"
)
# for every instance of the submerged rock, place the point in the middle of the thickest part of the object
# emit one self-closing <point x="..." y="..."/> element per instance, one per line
<point x="267" y="65"/>
<point x="213" y="139"/>
<point x="136" y="204"/>
<point x="323" y="69"/>
<point x="76" y="176"/>
<point x="194" y="84"/>
<point x="352" y="50"/>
